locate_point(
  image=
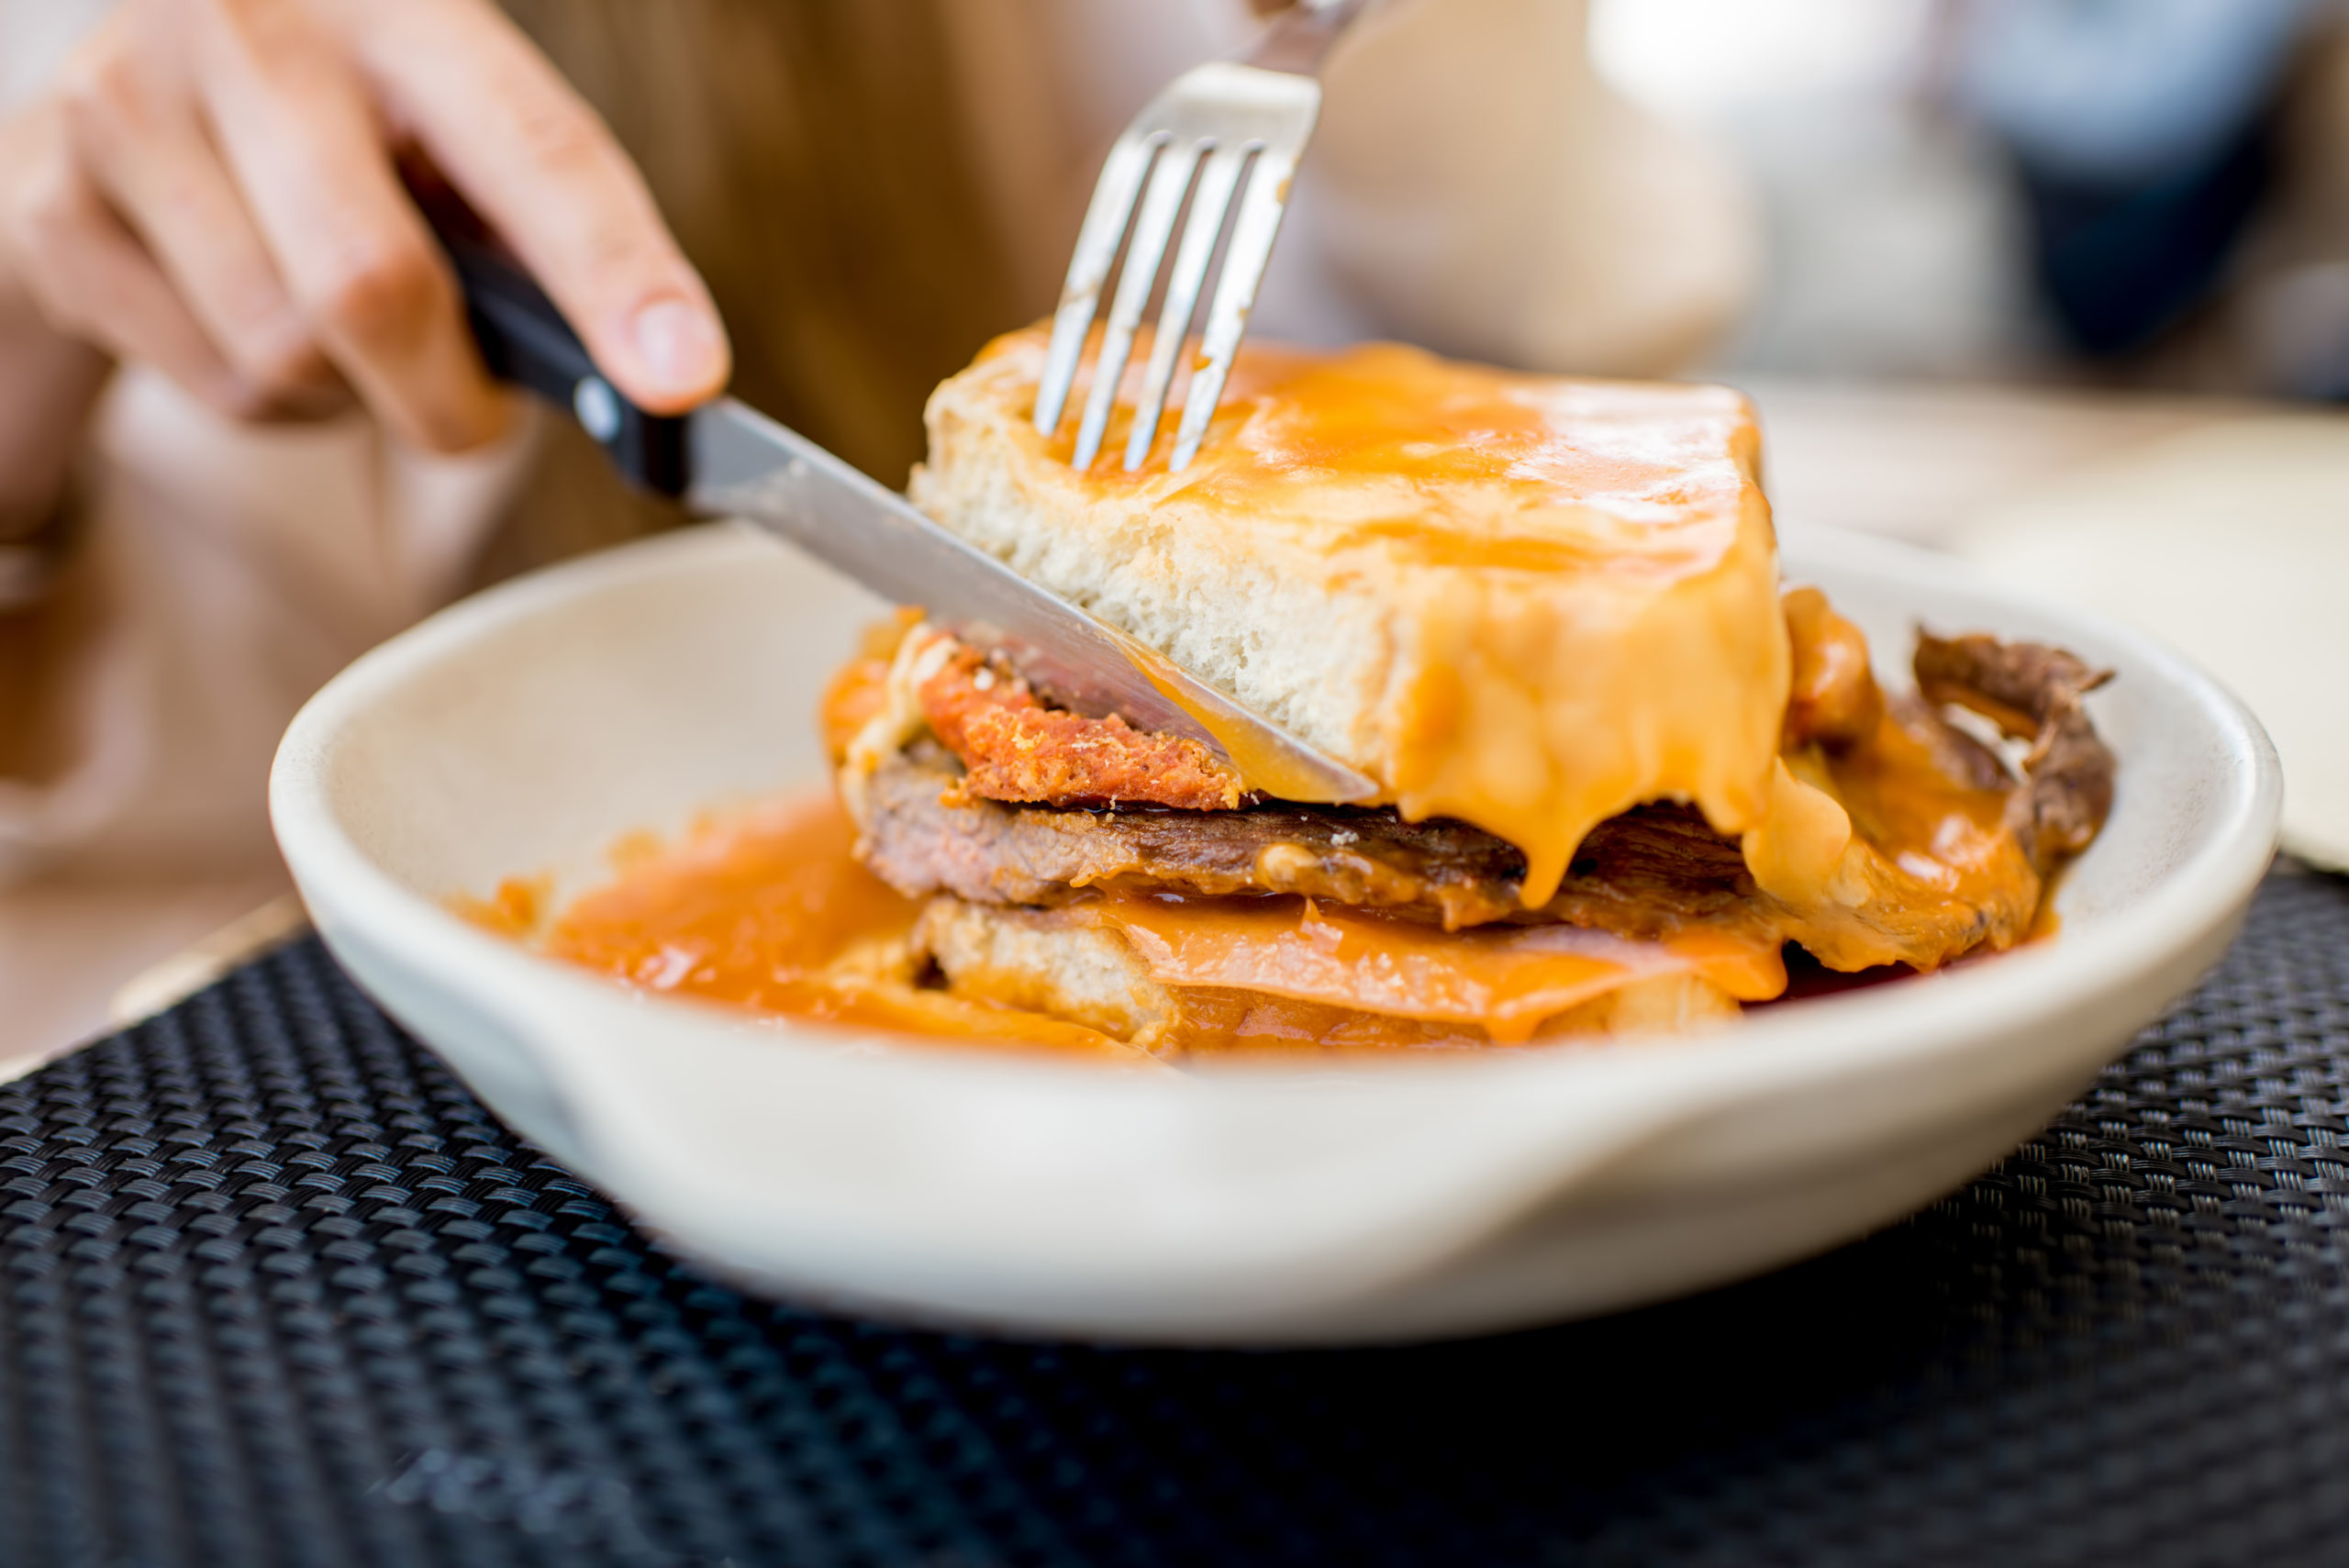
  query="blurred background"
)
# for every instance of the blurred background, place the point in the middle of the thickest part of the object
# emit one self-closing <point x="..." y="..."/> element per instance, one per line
<point x="2059" y="286"/>
<point x="2124" y="193"/>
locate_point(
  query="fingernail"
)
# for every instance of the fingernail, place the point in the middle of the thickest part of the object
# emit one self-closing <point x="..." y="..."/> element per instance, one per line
<point x="679" y="345"/>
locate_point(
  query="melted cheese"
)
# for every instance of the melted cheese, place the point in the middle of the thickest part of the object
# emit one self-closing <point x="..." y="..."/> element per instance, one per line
<point x="1928" y="869"/>
<point x="1577" y="580"/>
<point x="1797" y="850"/>
<point x="772" y="912"/>
<point x="1507" y="980"/>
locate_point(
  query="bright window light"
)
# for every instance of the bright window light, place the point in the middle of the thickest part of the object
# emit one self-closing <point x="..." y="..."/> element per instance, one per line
<point x="1697" y="59"/>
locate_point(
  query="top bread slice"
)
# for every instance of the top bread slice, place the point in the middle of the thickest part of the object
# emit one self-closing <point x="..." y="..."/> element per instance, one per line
<point x="1525" y="602"/>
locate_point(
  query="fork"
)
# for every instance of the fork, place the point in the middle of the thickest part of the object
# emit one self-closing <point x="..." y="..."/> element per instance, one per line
<point x="1233" y="120"/>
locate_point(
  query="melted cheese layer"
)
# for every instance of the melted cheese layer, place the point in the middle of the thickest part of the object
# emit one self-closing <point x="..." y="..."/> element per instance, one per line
<point x="1504" y="979"/>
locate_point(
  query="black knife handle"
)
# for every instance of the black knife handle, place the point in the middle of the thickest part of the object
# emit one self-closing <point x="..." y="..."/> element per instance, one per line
<point x="524" y="340"/>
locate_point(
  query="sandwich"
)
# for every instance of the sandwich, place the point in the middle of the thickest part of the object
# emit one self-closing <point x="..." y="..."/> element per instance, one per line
<point x="1623" y="773"/>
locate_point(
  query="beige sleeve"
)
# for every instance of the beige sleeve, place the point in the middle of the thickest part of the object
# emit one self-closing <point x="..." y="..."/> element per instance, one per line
<point x="1473" y="185"/>
<point x="223" y="574"/>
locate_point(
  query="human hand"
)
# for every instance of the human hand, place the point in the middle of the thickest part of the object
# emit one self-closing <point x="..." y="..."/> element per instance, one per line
<point x="213" y="187"/>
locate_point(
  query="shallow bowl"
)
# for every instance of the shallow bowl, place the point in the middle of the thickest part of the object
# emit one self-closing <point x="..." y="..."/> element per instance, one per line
<point x="523" y="731"/>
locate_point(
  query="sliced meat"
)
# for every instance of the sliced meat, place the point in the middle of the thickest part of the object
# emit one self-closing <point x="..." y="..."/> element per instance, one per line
<point x="1016" y="749"/>
<point x="2032" y="692"/>
<point x="1652" y="872"/>
<point x="924" y="836"/>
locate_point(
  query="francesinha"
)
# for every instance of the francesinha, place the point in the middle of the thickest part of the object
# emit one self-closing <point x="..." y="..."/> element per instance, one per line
<point x="1620" y="769"/>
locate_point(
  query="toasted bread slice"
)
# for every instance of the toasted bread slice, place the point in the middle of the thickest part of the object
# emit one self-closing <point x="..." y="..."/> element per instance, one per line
<point x="1527" y="603"/>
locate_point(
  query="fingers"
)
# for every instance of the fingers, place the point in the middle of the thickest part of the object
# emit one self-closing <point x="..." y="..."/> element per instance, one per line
<point x="291" y="115"/>
<point x="534" y="161"/>
<point x="91" y="277"/>
<point x="135" y="125"/>
<point x="220" y="198"/>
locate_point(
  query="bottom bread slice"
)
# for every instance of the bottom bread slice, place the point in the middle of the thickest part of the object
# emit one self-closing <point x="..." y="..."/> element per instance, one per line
<point x="1091" y="974"/>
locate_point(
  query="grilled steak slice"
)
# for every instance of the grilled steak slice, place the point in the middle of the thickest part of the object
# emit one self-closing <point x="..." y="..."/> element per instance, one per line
<point x="923" y="837"/>
<point x="2032" y="692"/>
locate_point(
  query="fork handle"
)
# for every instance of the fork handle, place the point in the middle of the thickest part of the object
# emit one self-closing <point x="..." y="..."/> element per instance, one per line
<point x="524" y="340"/>
<point x="1296" y="38"/>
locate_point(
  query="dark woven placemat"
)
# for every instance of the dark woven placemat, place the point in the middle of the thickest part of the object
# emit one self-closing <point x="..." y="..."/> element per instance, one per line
<point x="273" y="1287"/>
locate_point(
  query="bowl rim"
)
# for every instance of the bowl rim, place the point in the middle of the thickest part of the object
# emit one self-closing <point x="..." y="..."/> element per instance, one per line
<point x="1799" y="1040"/>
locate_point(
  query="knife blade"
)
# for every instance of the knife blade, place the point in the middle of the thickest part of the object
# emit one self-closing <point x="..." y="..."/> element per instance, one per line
<point x="726" y="459"/>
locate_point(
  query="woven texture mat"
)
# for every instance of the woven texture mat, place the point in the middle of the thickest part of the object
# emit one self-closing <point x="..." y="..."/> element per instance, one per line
<point x="273" y="1287"/>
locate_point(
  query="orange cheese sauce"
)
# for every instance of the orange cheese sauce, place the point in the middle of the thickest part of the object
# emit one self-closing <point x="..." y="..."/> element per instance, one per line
<point x="514" y="910"/>
<point x="772" y="913"/>
<point x="750" y="914"/>
<point x="1943" y="834"/>
<point x="1918" y="869"/>
<point x="1296" y="421"/>
<point x="1506" y="979"/>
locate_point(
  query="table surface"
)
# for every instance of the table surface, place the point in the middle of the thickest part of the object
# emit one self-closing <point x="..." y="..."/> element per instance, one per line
<point x="1920" y="461"/>
<point x="275" y="1288"/>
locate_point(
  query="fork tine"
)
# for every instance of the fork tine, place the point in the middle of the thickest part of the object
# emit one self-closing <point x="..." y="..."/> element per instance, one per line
<point x="1156" y="225"/>
<point x="1235" y="296"/>
<point x="1208" y="208"/>
<point x="1097" y="247"/>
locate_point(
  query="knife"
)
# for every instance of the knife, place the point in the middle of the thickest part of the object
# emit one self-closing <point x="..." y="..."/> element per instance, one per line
<point x="726" y="459"/>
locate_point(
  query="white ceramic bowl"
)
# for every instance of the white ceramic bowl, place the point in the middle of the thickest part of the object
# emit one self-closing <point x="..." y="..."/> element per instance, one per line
<point x="524" y="730"/>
